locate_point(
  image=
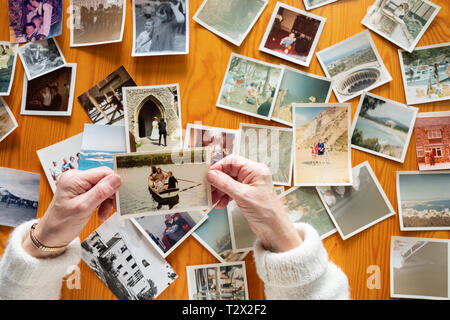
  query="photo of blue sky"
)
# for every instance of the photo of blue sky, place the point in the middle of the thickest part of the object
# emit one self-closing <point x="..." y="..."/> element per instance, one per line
<point x="392" y="111"/>
<point x="304" y="115"/>
<point x="20" y="183"/>
<point x="417" y="187"/>
<point x="215" y="228"/>
<point x="104" y="138"/>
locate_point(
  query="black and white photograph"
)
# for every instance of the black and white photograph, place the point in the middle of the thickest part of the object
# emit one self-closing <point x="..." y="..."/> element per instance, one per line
<point x="126" y="263"/>
<point x="312" y="4"/>
<point x="8" y="122"/>
<point x="8" y="58"/>
<point x="242" y="237"/>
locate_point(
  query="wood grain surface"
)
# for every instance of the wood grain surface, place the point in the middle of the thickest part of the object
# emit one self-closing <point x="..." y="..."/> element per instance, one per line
<point x="200" y="76"/>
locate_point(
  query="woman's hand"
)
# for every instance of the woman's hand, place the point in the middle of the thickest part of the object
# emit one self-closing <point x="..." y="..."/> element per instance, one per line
<point x="78" y="195"/>
<point x="250" y="185"/>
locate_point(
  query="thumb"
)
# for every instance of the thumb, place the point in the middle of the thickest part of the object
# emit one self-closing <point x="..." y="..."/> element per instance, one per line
<point x="225" y="183"/>
<point x="103" y="190"/>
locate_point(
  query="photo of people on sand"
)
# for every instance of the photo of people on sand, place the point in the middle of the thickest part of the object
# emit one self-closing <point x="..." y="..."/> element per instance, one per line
<point x="383" y="127"/>
<point x="250" y="86"/>
<point x="7" y="121"/>
<point x="322" y="145"/>
<point x="8" y="57"/>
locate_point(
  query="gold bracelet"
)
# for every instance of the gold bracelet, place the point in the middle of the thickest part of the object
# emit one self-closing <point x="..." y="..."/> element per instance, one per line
<point x="39" y="245"/>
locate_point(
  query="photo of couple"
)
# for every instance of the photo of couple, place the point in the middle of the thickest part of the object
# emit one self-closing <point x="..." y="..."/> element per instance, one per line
<point x="159" y="131"/>
<point x="320" y="152"/>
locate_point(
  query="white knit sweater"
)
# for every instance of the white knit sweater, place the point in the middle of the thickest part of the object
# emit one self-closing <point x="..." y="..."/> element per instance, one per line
<point x="302" y="273"/>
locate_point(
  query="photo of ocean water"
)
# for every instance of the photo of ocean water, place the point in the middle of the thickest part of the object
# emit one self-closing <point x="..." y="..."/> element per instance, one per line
<point x="90" y="159"/>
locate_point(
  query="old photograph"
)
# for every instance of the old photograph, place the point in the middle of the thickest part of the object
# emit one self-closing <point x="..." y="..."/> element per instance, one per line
<point x="163" y="182"/>
<point x="242" y="237"/>
<point x="19" y="196"/>
<point x="359" y="206"/>
<point x="269" y="145"/>
<point x="292" y="34"/>
<point x="426" y="73"/>
<point x="312" y="4"/>
<point x="221" y="281"/>
<point x="126" y="263"/>
<point x="161" y="27"/>
<point x="250" y="86"/>
<point x="8" y="122"/>
<point x="423" y="200"/>
<point x="8" y="57"/>
<point x="32" y="20"/>
<point x="354" y="66"/>
<point x="166" y="232"/>
<point x="153" y="118"/>
<point x="402" y="22"/>
<point x="383" y="127"/>
<point x="95" y="22"/>
<point x="232" y="20"/>
<point x="419" y="268"/>
<point x="298" y="87"/>
<point x="322" y="155"/>
<point x="103" y="102"/>
<point x="432" y="133"/>
<point x="50" y="94"/>
<point x="60" y="157"/>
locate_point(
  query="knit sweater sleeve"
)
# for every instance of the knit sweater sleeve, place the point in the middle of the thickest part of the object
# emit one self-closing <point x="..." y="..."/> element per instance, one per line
<point x="301" y="273"/>
<point x="25" y="277"/>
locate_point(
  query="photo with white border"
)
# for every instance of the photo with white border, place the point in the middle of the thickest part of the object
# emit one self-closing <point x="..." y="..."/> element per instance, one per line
<point x="242" y="237"/>
<point x="6" y="63"/>
<point x="312" y="4"/>
<point x="8" y="122"/>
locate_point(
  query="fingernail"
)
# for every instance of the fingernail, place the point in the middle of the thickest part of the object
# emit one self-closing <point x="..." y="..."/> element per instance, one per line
<point x="114" y="181"/>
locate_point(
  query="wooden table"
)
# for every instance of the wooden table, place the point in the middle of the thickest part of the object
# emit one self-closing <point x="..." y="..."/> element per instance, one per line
<point x="200" y="76"/>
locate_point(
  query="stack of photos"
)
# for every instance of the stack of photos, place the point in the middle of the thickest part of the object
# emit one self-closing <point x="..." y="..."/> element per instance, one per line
<point x="19" y="196"/>
<point x="357" y="207"/>
<point x="60" y="157"/>
<point x="164" y="182"/>
<point x="31" y="20"/>
<point x="96" y="22"/>
<point x="432" y="133"/>
<point x="322" y="145"/>
<point x="221" y="281"/>
<point x="250" y="86"/>
<point x="312" y="4"/>
<point x="402" y="22"/>
<point x="292" y="34"/>
<point x="103" y="102"/>
<point x="160" y="27"/>
<point x="8" y="57"/>
<point x="242" y="237"/>
<point x="426" y="73"/>
<point x="100" y="143"/>
<point x="303" y="204"/>
<point x="354" y="66"/>
<point x="153" y="118"/>
<point x="7" y="121"/>
<point x="220" y="141"/>
<point x="125" y="262"/>
<point x="383" y="127"/>
<point x="299" y="87"/>
<point x="214" y="234"/>
<point x="420" y="268"/>
<point x="232" y="19"/>
<point x="50" y="94"/>
<point x="423" y="200"/>
<point x="269" y="145"/>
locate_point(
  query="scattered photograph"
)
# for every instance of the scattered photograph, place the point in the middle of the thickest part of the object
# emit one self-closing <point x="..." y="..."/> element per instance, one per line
<point x="345" y="203"/>
<point x="383" y="127"/>
<point x="50" y="94"/>
<point x="269" y="145"/>
<point x="303" y="204"/>
<point x="19" y="196"/>
<point x="60" y="157"/>
<point x="163" y="182"/>
<point x="96" y="22"/>
<point x="426" y="73"/>
<point x="292" y="34"/>
<point x="354" y="66"/>
<point x="402" y="22"/>
<point x="419" y="268"/>
<point x="423" y="200"/>
<point x="167" y="231"/>
<point x="312" y="4"/>
<point x="221" y="281"/>
<point x="214" y="234"/>
<point x="32" y="20"/>
<point x="242" y="237"/>
<point x="221" y="142"/>
<point x="322" y="155"/>
<point x="432" y="133"/>
<point x="153" y="118"/>
<point x="160" y="27"/>
<point x="8" y="122"/>
<point x="41" y="57"/>
<point x="103" y="102"/>
<point x="126" y="263"/>
<point x="298" y="87"/>
<point x="232" y="20"/>
<point x="8" y="57"/>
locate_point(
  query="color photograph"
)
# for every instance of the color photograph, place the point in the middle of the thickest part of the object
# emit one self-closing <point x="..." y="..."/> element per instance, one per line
<point x="312" y="4"/>
<point x="423" y="200"/>
<point x="242" y="237"/>
<point x="8" y="57"/>
<point x="383" y="127"/>
<point x="7" y="121"/>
